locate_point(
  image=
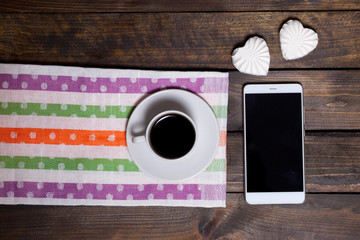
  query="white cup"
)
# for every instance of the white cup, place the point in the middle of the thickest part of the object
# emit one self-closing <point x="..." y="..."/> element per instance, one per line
<point x="147" y="137"/>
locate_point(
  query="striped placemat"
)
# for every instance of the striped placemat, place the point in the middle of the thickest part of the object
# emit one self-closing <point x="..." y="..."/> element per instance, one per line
<point x="62" y="137"/>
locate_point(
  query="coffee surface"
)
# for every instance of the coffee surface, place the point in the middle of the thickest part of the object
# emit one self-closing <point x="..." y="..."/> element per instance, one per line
<point x="172" y="136"/>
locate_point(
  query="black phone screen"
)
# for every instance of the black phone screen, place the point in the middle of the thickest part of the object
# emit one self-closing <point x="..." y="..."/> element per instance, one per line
<point x="274" y="148"/>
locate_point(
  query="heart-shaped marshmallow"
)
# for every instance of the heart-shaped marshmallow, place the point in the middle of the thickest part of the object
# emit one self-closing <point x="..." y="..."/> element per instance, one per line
<point x="253" y="58"/>
<point x="297" y="41"/>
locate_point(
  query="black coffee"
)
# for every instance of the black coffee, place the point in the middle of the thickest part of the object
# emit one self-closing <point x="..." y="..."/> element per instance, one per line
<point x="172" y="136"/>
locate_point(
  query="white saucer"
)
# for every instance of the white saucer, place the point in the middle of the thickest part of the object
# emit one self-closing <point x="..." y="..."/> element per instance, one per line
<point x="207" y="135"/>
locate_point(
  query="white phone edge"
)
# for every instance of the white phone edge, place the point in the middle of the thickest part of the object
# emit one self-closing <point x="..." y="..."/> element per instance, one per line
<point x="274" y="197"/>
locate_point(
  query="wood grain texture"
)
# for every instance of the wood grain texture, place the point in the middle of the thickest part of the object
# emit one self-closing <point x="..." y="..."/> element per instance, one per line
<point x="332" y="162"/>
<point x="171" y="6"/>
<point x="171" y="40"/>
<point x="320" y="217"/>
<point x="201" y="35"/>
<point x="331" y="98"/>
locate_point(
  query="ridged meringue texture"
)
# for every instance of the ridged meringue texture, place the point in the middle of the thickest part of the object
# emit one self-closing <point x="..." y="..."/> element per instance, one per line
<point x="297" y="41"/>
<point x="253" y="58"/>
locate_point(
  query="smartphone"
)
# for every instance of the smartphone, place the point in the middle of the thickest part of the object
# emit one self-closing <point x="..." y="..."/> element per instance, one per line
<point x="274" y="144"/>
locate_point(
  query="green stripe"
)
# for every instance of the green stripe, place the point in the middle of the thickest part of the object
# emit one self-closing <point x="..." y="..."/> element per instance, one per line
<point x="65" y="110"/>
<point x="85" y="164"/>
<point x="68" y="163"/>
<point x="85" y="111"/>
<point x="217" y="165"/>
<point x="220" y="111"/>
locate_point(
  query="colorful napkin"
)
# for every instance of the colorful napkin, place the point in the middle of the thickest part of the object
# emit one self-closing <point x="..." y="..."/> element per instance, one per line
<point x="62" y="137"/>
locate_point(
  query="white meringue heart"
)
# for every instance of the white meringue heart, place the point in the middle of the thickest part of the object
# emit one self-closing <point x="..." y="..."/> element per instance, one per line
<point x="253" y="58"/>
<point x="297" y="41"/>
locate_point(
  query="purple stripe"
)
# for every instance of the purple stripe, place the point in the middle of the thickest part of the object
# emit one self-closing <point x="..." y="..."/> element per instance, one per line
<point x="116" y="85"/>
<point x="209" y="192"/>
<point x="216" y="85"/>
<point x="112" y="191"/>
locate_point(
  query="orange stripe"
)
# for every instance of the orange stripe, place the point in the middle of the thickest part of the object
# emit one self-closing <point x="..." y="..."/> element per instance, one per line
<point x="70" y="137"/>
<point x="222" y="141"/>
<point x="62" y="136"/>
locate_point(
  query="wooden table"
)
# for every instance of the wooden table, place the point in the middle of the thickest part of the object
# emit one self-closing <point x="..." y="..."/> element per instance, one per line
<point x="200" y="35"/>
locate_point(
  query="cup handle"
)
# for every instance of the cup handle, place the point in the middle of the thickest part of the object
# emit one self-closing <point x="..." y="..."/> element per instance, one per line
<point x="138" y="139"/>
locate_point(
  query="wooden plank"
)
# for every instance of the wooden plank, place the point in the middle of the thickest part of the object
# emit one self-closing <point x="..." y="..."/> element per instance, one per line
<point x="332" y="162"/>
<point x="171" y="40"/>
<point x="331" y="98"/>
<point x="171" y="6"/>
<point x="322" y="216"/>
